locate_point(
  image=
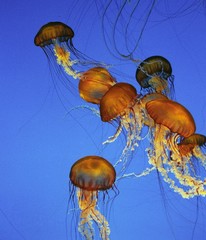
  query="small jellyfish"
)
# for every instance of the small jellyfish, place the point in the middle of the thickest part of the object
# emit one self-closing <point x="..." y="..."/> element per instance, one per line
<point x="172" y="122"/>
<point x="94" y="83"/>
<point x="90" y="175"/>
<point x="191" y="144"/>
<point x="120" y="104"/>
<point x="190" y="161"/>
<point x="155" y="75"/>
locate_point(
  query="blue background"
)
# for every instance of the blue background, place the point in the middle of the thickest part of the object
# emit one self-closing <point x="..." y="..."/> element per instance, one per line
<point x="41" y="138"/>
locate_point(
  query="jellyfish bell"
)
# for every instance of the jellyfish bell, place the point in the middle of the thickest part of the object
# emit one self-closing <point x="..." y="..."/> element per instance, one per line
<point x="94" y="83"/>
<point x="117" y="101"/>
<point x="172" y="115"/>
<point x="155" y="75"/>
<point x="90" y="175"/>
<point x="52" y="32"/>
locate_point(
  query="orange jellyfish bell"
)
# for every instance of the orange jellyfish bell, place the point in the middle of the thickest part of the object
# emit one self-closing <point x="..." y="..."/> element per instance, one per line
<point x="52" y="31"/>
<point x="155" y="74"/>
<point x="94" y="83"/>
<point x="116" y="101"/>
<point x="172" y="115"/>
<point x="90" y="175"/>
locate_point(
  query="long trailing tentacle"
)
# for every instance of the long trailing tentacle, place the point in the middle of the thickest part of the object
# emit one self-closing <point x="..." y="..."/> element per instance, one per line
<point x="90" y="214"/>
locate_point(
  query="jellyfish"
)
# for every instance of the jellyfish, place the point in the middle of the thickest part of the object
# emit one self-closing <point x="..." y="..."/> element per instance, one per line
<point x="191" y="144"/>
<point x="190" y="161"/>
<point x="90" y="175"/>
<point x="120" y="104"/>
<point x="172" y="123"/>
<point x="55" y="38"/>
<point x="94" y="83"/>
<point x="155" y="75"/>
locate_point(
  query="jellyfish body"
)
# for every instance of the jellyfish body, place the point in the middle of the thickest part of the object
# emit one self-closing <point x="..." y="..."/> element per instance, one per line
<point x="188" y="145"/>
<point x="117" y="100"/>
<point x="190" y="161"/>
<point x="120" y="103"/>
<point x="94" y="83"/>
<point x="155" y="75"/>
<point x="55" y="38"/>
<point x="51" y="32"/>
<point x="172" y="115"/>
<point x="172" y="122"/>
<point x="90" y="175"/>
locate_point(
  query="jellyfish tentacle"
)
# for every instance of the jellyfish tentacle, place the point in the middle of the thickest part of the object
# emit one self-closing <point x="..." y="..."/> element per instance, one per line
<point x="200" y="155"/>
<point x="116" y="135"/>
<point x="102" y="223"/>
<point x="93" y="110"/>
<point x="89" y="214"/>
<point x="63" y="59"/>
<point x="85" y="202"/>
<point x="184" y="180"/>
<point x="133" y="123"/>
<point x="137" y="175"/>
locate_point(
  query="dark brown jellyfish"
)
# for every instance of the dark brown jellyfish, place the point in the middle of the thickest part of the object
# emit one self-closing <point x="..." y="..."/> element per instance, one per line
<point x="155" y="75"/>
<point x="172" y="122"/>
<point x="55" y="38"/>
<point x="94" y="83"/>
<point x="191" y="144"/>
<point x="90" y="175"/>
<point x="51" y="32"/>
